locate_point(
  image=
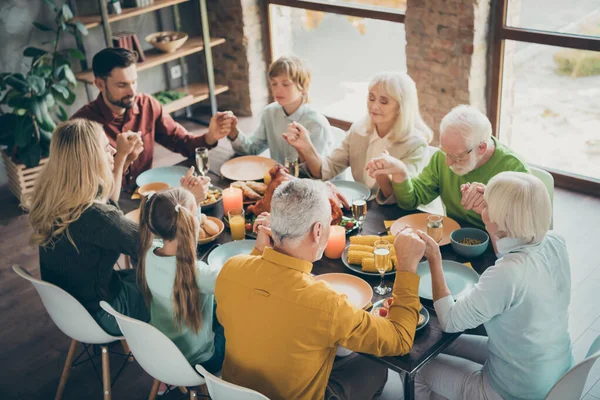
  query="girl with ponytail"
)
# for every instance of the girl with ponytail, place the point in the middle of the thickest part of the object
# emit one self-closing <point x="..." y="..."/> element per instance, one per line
<point x="178" y="289"/>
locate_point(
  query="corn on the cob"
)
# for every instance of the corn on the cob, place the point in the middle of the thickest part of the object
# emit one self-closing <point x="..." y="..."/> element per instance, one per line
<point x="361" y="247"/>
<point x="369" y="240"/>
<point x="368" y="265"/>
<point x="356" y="257"/>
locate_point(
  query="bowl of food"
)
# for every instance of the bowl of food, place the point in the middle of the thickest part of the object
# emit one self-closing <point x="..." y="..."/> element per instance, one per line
<point x="210" y="229"/>
<point x="213" y="196"/>
<point x="152" y="187"/>
<point x="167" y="42"/>
<point x="469" y="242"/>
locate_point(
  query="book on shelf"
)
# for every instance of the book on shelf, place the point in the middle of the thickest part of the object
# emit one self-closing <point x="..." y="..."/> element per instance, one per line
<point x="129" y="41"/>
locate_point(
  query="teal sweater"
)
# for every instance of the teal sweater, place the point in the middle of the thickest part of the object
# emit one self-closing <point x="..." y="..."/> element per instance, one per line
<point x="437" y="179"/>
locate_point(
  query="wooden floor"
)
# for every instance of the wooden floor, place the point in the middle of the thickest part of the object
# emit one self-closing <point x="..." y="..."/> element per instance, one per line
<point x="33" y="350"/>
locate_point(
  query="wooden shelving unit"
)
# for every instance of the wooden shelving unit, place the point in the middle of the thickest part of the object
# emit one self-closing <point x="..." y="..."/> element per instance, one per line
<point x="196" y="92"/>
<point x="155" y="57"/>
<point x="92" y="21"/>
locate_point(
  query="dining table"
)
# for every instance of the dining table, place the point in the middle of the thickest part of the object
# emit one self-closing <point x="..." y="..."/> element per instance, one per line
<point x="428" y="342"/>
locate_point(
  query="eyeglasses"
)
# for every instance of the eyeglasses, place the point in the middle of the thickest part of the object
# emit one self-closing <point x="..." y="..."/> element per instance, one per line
<point x="458" y="159"/>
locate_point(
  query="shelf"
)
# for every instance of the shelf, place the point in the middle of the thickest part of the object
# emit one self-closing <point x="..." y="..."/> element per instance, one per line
<point x="197" y="92"/>
<point x="155" y="57"/>
<point x="92" y="21"/>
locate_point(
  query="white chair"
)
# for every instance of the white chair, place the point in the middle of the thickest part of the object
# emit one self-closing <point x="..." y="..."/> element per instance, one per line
<point x="548" y="181"/>
<point x="156" y="354"/>
<point x="222" y="390"/>
<point x="338" y="137"/>
<point x="77" y="323"/>
<point x="570" y="386"/>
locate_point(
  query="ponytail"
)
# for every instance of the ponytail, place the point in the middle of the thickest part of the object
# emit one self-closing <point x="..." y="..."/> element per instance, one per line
<point x="145" y="243"/>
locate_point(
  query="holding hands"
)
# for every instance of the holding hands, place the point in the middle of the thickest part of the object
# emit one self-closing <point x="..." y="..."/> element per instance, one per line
<point x="409" y="247"/>
<point x="262" y="227"/>
<point x="198" y="185"/>
<point x="298" y="137"/>
<point x="472" y="197"/>
<point x="387" y="165"/>
<point x="222" y="124"/>
<point x="129" y="146"/>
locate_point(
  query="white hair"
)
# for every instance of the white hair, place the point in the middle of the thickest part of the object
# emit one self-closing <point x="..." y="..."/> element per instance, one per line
<point x="474" y="126"/>
<point x="520" y="205"/>
<point x="296" y="206"/>
<point x="400" y="87"/>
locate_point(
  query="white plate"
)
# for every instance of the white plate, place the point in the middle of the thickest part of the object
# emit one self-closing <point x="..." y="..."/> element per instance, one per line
<point x="358" y="291"/>
<point x="219" y="256"/>
<point x="353" y="190"/>
<point x="169" y="175"/>
<point x="459" y="278"/>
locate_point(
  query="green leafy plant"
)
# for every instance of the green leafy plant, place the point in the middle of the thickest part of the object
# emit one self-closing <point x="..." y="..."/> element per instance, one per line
<point x="34" y="99"/>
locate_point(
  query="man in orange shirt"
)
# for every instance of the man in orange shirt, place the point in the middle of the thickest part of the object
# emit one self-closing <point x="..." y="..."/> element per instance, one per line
<point x="283" y="327"/>
<point x="121" y="109"/>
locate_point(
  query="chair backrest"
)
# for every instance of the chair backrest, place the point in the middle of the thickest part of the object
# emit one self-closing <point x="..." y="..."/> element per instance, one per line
<point x="338" y="137"/>
<point x="221" y="390"/>
<point x="570" y="386"/>
<point x="548" y="181"/>
<point x="155" y="352"/>
<point x="67" y="313"/>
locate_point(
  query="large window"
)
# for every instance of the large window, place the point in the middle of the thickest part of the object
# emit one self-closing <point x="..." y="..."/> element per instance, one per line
<point x="345" y="42"/>
<point x="545" y="81"/>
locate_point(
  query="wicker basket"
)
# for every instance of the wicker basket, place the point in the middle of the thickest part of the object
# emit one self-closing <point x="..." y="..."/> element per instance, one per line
<point x="21" y="180"/>
<point x="167" y="46"/>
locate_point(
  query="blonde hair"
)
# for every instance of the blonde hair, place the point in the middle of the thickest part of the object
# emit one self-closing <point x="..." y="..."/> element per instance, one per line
<point x="76" y="176"/>
<point x="400" y="87"/>
<point x="520" y="205"/>
<point x="474" y="126"/>
<point x="167" y="214"/>
<point x="296" y="69"/>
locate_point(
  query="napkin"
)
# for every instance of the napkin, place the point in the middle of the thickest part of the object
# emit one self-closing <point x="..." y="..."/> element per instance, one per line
<point x="388" y="224"/>
<point x="136" y="195"/>
<point x="468" y="264"/>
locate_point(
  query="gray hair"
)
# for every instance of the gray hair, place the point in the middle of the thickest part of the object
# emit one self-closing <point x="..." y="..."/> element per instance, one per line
<point x="296" y="206"/>
<point x="474" y="126"/>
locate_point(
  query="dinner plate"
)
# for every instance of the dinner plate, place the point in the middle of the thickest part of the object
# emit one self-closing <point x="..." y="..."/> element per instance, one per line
<point x="358" y="291"/>
<point x="357" y="268"/>
<point x="221" y="254"/>
<point x="247" y="168"/>
<point x="353" y="190"/>
<point x="419" y="221"/>
<point x="169" y="175"/>
<point x="423" y="312"/>
<point x="459" y="278"/>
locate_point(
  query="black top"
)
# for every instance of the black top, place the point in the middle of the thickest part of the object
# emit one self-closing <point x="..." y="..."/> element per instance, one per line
<point x="101" y="234"/>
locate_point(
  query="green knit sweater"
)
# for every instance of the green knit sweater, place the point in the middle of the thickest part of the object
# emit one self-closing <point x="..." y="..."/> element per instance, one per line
<point x="437" y="179"/>
<point x="101" y="234"/>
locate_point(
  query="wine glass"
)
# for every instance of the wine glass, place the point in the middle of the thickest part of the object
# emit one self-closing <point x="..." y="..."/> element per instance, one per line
<point x="202" y="160"/>
<point x="291" y="163"/>
<point x="435" y="227"/>
<point x="359" y="211"/>
<point x="382" y="260"/>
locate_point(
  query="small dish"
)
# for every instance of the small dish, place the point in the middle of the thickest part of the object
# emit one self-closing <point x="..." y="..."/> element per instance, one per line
<point x="152" y="187"/>
<point x="214" y="237"/>
<point x="459" y="236"/>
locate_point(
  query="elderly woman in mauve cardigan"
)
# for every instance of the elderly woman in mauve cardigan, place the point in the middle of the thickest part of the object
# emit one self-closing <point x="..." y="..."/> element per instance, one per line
<point x="78" y="225"/>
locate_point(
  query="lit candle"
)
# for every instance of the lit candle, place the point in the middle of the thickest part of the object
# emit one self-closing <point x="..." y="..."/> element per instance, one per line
<point x="336" y="242"/>
<point x="233" y="199"/>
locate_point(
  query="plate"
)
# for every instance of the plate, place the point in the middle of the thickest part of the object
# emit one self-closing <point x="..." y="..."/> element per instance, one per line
<point x="221" y="226"/>
<point x="459" y="278"/>
<point x="358" y="291"/>
<point x="357" y="268"/>
<point x="247" y="168"/>
<point x="216" y="191"/>
<point x="419" y="221"/>
<point x="169" y="175"/>
<point x="221" y="254"/>
<point x="423" y="312"/>
<point x="346" y="220"/>
<point x="353" y="190"/>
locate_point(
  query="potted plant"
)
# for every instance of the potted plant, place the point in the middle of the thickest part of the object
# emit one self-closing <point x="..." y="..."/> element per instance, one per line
<point x="30" y="104"/>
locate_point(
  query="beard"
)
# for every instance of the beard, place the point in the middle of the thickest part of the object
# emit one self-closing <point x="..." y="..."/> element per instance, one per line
<point x="125" y="102"/>
<point x="465" y="169"/>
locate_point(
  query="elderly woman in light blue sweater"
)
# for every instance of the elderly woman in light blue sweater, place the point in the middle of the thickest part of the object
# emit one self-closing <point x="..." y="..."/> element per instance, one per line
<point x="522" y="301"/>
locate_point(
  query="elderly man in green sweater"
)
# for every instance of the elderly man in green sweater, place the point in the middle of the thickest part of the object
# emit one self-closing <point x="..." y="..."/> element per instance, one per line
<point x="469" y="153"/>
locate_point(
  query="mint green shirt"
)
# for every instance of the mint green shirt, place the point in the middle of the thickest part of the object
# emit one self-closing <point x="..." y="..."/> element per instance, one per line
<point x="160" y="275"/>
<point x="437" y="179"/>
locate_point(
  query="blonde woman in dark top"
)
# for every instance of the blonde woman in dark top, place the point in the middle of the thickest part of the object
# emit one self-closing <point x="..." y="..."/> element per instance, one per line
<point x="78" y="225"/>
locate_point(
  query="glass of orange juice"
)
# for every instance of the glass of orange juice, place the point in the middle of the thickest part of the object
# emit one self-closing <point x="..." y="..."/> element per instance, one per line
<point x="237" y="224"/>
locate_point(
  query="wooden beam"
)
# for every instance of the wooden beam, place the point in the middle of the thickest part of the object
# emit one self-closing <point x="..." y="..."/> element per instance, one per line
<point x="354" y="10"/>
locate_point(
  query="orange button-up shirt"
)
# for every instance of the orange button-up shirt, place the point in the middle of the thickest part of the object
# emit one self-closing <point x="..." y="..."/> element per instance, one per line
<point x="283" y="327"/>
<point x="148" y="117"/>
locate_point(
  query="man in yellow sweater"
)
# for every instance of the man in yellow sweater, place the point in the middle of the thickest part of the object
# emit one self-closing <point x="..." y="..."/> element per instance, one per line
<point x="283" y="327"/>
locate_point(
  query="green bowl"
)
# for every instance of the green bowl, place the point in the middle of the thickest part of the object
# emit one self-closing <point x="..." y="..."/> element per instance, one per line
<point x="465" y="250"/>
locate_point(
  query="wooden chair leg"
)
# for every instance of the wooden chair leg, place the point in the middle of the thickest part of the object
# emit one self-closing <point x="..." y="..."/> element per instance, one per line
<point x="183" y="389"/>
<point x="193" y="395"/>
<point x="66" y="370"/>
<point x="154" y="390"/>
<point x="106" y="373"/>
<point x="204" y="390"/>
<point x="126" y="350"/>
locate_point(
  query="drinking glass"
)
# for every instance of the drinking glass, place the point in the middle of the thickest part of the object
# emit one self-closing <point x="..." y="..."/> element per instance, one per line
<point x="359" y="212"/>
<point x="202" y="160"/>
<point x="435" y="227"/>
<point x="291" y="163"/>
<point x="382" y="260"/>
<point x="237" y="224"/>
